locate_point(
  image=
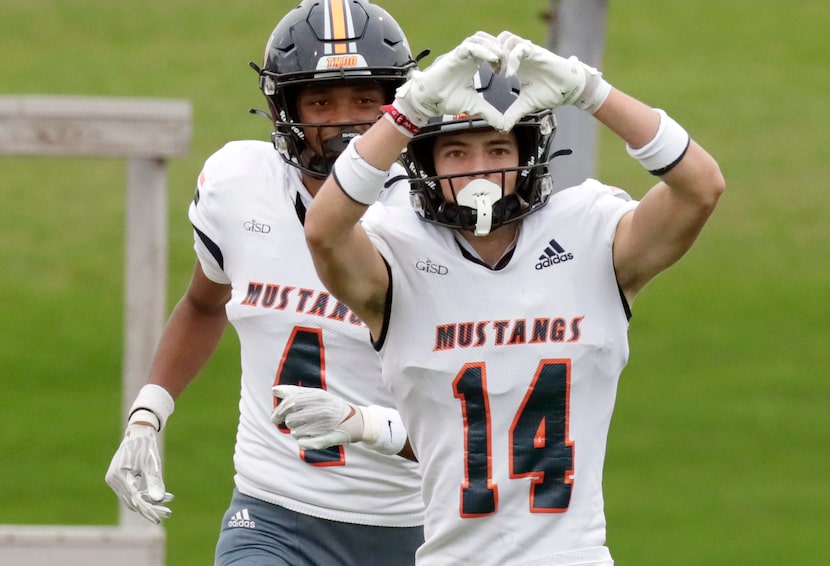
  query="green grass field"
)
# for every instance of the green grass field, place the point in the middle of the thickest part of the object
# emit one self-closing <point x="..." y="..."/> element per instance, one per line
<point x="719" y="447"/>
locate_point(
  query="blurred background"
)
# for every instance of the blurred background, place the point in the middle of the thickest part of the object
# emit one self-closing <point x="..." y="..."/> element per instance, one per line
<point x="718" y="452"/>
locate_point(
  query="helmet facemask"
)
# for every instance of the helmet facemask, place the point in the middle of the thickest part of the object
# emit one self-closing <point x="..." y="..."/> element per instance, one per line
<point x="480" y="206"/>
<point x="313" y="147"/>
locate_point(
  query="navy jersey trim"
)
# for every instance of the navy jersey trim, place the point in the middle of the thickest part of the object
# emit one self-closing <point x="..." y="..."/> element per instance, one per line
<point x="300" y="209"/>
<point x="625" y="304"/>
<point x="211" y="247"/>
<point x="502" y="263"/>
<point x="387" y="310"/>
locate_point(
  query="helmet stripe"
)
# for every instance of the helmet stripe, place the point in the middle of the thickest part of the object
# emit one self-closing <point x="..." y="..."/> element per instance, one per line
<point x="339" y="26"/>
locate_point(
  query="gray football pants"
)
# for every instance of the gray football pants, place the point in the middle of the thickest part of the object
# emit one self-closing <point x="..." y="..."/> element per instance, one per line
<point x="256" y="533"/>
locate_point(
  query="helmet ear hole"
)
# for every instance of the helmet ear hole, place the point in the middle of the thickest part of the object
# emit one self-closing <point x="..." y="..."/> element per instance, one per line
<point x="280" y="143"/>
<point x="416" y="200"/>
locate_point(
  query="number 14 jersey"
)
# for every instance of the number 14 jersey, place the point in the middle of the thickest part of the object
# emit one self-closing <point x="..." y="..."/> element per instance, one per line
<point x="506" y="378"/>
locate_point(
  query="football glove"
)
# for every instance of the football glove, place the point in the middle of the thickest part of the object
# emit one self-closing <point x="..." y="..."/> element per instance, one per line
<point x="318" y="419"/>
<point x="547" y="80"/>
<point x="446" y="86"/>
<point x="134" y="473"/>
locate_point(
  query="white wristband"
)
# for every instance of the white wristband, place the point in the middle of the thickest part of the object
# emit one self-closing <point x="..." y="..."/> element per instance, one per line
<point x="665" y="150"/>
<point x="383" y="429"/>
<point x="359" y="180"/>
<point x="157" y="400"/>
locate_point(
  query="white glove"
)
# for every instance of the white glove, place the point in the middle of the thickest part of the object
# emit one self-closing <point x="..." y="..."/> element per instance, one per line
<point x="547" y="80"/>
<point x="318" y="419"/>
<point x="446" y="86"/>
<point x="135" y="472"/>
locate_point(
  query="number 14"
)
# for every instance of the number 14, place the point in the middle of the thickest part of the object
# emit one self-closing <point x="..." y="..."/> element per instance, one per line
<point x="539" y="444"/>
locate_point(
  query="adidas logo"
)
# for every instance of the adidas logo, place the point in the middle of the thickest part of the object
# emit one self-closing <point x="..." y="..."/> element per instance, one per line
<point x="242" y="519"/>
<point x="554" y="254"/>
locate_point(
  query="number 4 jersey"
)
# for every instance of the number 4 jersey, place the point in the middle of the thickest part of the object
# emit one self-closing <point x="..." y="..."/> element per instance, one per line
<point x="506" y="378"/>
<point x="248" y="233"/>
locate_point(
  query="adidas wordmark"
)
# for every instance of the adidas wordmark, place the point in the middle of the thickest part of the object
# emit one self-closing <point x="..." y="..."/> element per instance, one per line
<point x="242" y="519"/>
<point x="553" y="254"/>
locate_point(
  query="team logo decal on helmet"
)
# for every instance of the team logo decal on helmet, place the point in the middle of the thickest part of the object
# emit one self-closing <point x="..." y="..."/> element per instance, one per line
<point x="481" y="206"/>
<point x="339" y="51"/>
<point x="324" y="42"/>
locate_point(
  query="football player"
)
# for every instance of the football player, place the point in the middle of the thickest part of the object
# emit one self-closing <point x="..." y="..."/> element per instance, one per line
<point x="329" y="66"/>
<point x="499" y="308"/>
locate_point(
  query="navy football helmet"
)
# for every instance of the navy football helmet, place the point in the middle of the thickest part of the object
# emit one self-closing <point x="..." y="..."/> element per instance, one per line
<point x="534" y="134"/>
<point x="328" y="41"/>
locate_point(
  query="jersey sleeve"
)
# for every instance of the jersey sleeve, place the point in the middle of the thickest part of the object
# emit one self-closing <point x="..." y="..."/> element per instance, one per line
<point x="611" y="204"/>
<point x="206" y="233"/>
<point x="373" y="222"/>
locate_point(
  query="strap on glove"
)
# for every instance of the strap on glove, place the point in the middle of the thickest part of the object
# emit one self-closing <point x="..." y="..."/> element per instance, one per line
<point x="318" y="419"/>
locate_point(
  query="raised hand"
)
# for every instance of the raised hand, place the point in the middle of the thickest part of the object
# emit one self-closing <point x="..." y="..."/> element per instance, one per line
<point x="446" y="86"/>
<point x="547" y="80"/>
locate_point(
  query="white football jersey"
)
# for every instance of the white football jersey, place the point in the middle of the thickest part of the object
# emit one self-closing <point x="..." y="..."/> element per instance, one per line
<point x="506" y="379"/>
<point x="248" y="233"/>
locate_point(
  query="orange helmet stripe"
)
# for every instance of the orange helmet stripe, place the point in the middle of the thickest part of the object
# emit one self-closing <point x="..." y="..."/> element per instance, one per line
<point x="338" y="24"/>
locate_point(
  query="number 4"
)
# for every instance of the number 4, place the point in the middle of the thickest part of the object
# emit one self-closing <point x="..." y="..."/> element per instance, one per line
<point x="539" y="442"/>
<point x="303" y="363"/>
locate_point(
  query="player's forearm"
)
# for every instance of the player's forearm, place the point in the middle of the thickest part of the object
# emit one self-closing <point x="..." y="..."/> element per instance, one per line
<point x="687" y="169"/>
<point x="344" y="257"/>
<point x="346" y="261"/>
<point x="633" y="121"/>
<point x="673" y="212"/>
<point x="187" y="343"/>
<point x="382" y="144"/>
